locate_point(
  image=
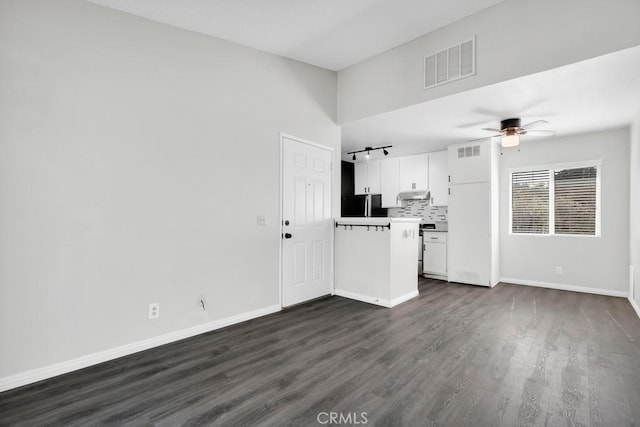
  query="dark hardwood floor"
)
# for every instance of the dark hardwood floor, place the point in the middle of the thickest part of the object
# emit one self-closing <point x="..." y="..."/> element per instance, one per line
<point x="455" y="356"/>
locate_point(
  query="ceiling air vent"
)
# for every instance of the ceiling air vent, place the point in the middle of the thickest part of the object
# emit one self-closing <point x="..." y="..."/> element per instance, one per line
<point x="450" y="64"/>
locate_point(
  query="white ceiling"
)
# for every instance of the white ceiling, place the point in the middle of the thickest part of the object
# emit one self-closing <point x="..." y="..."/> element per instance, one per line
<point x="332" y="34"/>
<point x="596" y="94"/>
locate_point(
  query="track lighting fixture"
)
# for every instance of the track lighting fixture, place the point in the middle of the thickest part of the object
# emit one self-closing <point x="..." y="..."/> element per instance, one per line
<point x="368" y="150"/>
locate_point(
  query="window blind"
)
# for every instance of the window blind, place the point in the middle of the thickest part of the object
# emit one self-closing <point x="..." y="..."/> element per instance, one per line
<point x="530" y="202"/>
<point x="575" y="200"/>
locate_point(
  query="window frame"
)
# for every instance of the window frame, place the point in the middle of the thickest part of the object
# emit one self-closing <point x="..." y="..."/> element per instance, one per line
<point x="551" y="168"/>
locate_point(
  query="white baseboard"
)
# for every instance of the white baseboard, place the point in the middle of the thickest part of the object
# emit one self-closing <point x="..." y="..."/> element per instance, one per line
<point x="376" y="301"/>
<point x="363" y="298"/>
<point x="635" y="306"/>
<point x="563" y="287"/>
<point x="403" y="298"/>
<point x="435" y="276"/>
<point x="39" y="374"/>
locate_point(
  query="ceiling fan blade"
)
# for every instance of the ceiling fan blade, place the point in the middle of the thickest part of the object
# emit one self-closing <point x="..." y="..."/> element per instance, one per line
<point x="492" y="129"/>
<point x="484" y="138"/>
<point x="534" y="124"/>
<point x="539" y="132"/>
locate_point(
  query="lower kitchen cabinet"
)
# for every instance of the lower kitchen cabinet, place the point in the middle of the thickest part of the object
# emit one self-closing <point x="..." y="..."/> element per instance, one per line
<point x="434" y="256"/>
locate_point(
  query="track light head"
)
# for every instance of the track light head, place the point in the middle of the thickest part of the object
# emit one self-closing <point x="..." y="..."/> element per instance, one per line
<point x="384" y="150"/>
<point x="367" y="155"/>
<point x="354" y="157"/>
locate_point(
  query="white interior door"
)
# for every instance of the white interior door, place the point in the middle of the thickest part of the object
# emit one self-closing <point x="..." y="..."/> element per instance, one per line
<point x="306" y="222"/>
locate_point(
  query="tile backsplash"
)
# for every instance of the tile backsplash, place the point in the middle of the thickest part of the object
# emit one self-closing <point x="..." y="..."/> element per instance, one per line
<point x="421" y="209"/>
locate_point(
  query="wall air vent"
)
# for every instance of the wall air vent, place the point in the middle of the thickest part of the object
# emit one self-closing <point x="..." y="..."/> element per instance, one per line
<point x="450" y="64"/>
<point x="470" y="151"/>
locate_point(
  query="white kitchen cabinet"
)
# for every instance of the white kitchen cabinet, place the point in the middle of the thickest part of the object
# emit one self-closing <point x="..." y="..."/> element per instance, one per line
<point x="470" y="162"/>
<point x="473" y="238"/>
<point x="439" y="178"/>
<point x="434" y="256"/>
<point x="367" y="177"/>
<point x="390" y="182"/>
<point x="360" y="178"/>
<point x="414" y="172"/>
<point x="374" y="176"/>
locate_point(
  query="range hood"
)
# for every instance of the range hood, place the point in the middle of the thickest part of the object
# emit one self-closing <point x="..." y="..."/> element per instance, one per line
<point x="415" y="195"/>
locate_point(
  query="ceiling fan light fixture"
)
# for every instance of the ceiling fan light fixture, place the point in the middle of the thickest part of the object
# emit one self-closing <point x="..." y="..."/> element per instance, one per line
<point x="511" y="129"/>
<point x="511" y="139"/>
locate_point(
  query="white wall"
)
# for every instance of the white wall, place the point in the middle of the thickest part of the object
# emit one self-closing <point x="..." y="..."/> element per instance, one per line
<point x="602" y="262"/>
<point x="134" y="158"/>
<point x="634" y="216"/>
<point x="514" y="38"/>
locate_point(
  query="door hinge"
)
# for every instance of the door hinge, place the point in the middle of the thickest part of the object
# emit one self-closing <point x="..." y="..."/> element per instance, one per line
<point x="449" y="191"/>
<point x="449" y="178"/>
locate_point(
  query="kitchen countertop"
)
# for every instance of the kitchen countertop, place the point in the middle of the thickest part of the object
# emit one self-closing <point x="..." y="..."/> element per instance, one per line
<point x="376" y="220"/>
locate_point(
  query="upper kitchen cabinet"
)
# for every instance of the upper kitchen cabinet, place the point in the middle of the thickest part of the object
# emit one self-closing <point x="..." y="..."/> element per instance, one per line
<point x="390" y="182"/>
<point x="414" y="172"/>
<point x="469" y="163"/>
<point x="367" y="177"/>
<point x="439" y="178"/>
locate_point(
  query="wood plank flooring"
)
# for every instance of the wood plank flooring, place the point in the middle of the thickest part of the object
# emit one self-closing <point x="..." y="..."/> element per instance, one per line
<point x="455" y="356"/>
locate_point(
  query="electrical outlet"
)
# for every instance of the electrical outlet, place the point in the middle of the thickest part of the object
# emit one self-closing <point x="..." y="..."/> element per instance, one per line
<point x="154" y="310"/>
<point x="202" y="302"/>
<point x="261" y="221"/>
<point x="558" y="269"/>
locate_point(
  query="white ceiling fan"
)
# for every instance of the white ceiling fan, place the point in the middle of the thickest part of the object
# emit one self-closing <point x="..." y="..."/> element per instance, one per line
<point x="511" y="129"/>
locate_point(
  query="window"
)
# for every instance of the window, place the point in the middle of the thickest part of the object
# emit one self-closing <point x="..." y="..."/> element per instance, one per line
<point x="530" y="202"/>
<point x="562" y="200"/>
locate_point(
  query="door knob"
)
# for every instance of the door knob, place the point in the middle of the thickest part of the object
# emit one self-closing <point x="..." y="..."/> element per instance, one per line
<point x="287" y="235"/>
<point x="286" y="222"/>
